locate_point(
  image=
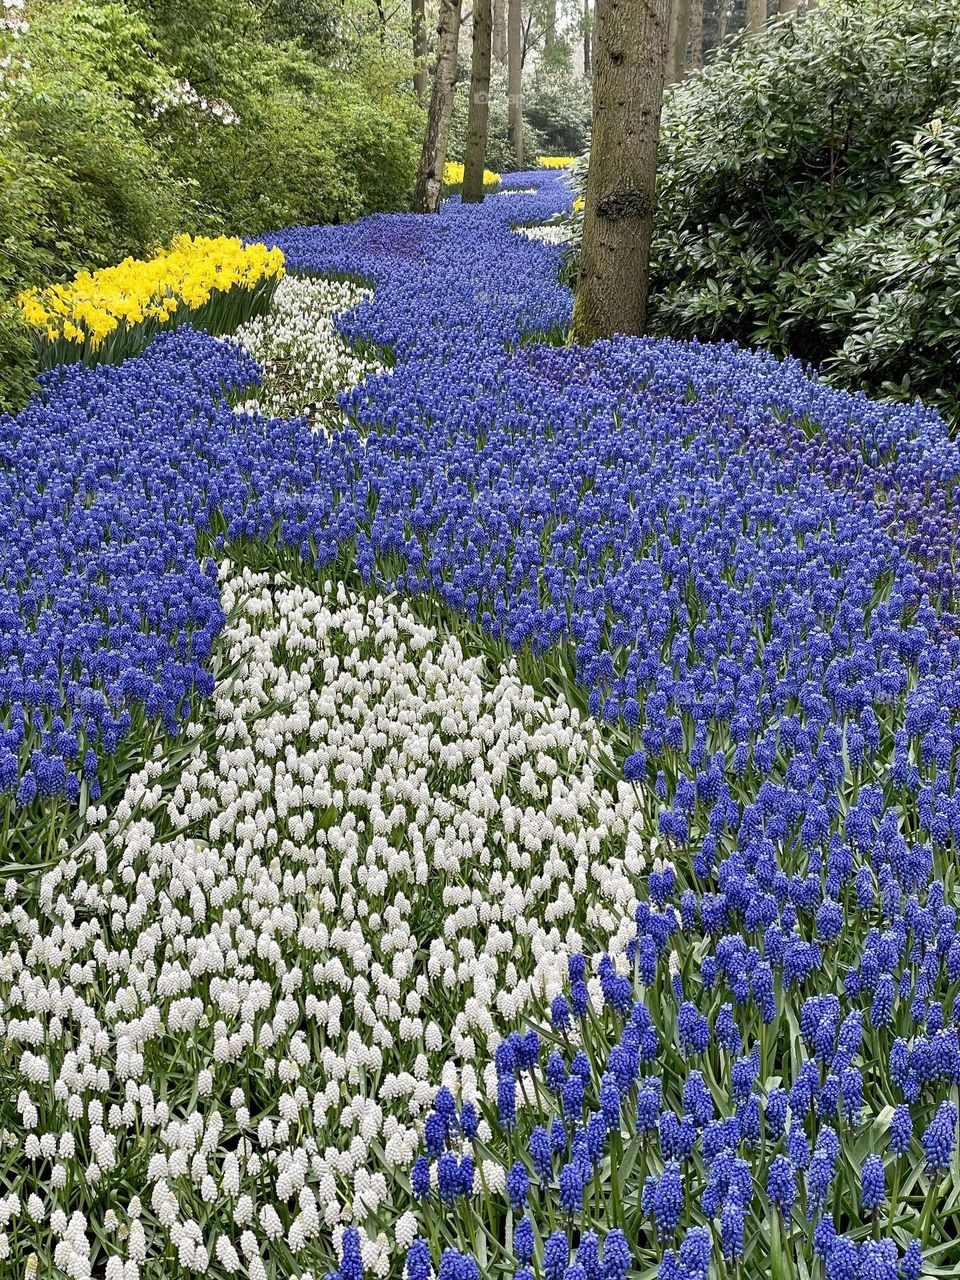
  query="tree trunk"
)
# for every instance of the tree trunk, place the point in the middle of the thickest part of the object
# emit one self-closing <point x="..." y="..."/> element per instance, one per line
<point x="550" y="26"/>
<point x="475" y="155"/>
<point x="587" y="43"/>
<point x="426" y="196"/>
<point x="788" y="8"/>
<point x="696" y="35"/>
<point x="500" y="32"/>
<point x="632" y="48"/>
<point x="756" y="16"/>
<point x="722" y="21"/>
<point x="679" y="29"/>
<point x="514" y="82"/>
<point x="418" y="30"/>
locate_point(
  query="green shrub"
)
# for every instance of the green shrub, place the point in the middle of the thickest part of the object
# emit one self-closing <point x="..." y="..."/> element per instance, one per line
<point x="79" y="184"/>
<point x="292" y="160"/>
<point x="558" y="106"/>
<point x="788" y="214"/>
<point x="805" y="203"/>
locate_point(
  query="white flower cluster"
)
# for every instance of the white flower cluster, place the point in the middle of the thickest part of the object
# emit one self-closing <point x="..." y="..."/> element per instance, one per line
<point x="182" y="94"/>
<point x="548" y="233"/>
<point x="235" y="999"/>
<point x="303" y="357"/>
<point x="12" y="20"/>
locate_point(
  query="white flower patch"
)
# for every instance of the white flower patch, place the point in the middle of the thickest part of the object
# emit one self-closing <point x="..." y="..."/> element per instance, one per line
<point x="304" y="359"/>
<point x="236" y="999"/>
<point x="548" y="233"/>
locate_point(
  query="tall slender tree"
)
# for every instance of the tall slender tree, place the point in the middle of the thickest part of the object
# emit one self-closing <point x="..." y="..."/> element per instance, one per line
<point x="426" y="195"/>
<point x="514" y="80"/>
<point x="587" y="38"/>
<point x="696" y="35"/>
<point x="632" y="48"/>
<point x="418" y="31"/>
<point x="679" y="32"/>
<point x="550" y="26"/>
<point x="756" y="18"/>
<point x="500" y="31"/>
<point x="478" y="114"/>
<point x="788" y="8"/>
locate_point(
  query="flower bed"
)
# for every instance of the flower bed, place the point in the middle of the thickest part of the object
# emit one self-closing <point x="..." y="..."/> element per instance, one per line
<point x="567" y="890"/>
<point x="214" y="284"/>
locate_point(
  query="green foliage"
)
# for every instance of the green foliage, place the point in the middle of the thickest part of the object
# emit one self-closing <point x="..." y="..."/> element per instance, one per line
<point x="124" y="122"/>
<point x="500" y="157"/>
<point x="79" y="184"/>
<point x="558" y="106"/>
<point x="798" y="210"/>
<point x="293" y="159"/>
<point x="809" y="198"/>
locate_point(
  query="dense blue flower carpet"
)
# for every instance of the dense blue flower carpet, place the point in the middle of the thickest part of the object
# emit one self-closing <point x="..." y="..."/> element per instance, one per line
<point x="510" y="831"/>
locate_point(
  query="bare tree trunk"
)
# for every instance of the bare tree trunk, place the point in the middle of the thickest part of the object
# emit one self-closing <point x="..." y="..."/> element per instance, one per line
<point x="756" y="16"/>
<point x="514" y="82"/>
<point x="500" y="32"/>
<point x="696" y="35"/>
<point x="418" y="31"/>
<point x="723" y="18"/>
<point x="631" y="62"/>
<point x="426" y="195"/>
<point x="550" y="26"/>
<point x="788" y="8"/>
<point x="679" y="28"/>
<point x="475" y="155"/>
<point x="587" y="42"/>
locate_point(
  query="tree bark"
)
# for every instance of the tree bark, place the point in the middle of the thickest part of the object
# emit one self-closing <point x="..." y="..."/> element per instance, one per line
<point x="723" y="20"/>
<point x="475" y="154"/>
<point x="679" y="30"/>
<point x="514" y="81"/>
<point x="632" y="48"/>
<point x="418" y="31"/>
<point x="587" y="42"/>
<point x="426" y="195"/>
<point x="788" y="8"/>
<point x="500" y="32"/>
<point x="550" y="27"/>
<point x="696" y="35"/>
<point x="756" y="16"/>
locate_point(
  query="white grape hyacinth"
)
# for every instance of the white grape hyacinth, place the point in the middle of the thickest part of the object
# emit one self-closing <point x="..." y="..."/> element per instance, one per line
<point x="227" y="1011"/>
<point x="303" y="357"/>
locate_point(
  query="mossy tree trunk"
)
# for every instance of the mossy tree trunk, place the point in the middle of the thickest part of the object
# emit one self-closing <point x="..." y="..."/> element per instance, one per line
<point x="631" y="51"/>
<point x="696" y="35"/>
<point x="475" y="154"/>
<point x="426" y="195"/>
<point x="500" y="31"/>
<point x="514" y="81"/>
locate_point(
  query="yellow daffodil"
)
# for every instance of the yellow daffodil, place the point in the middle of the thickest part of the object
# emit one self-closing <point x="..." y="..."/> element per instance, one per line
<point x="186" y="275"/>
<point x="453" y="175"/>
